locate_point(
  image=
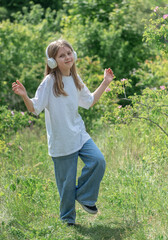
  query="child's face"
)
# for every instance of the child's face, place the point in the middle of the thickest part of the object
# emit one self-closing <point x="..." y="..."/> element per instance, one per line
<point x="65" y="60"/>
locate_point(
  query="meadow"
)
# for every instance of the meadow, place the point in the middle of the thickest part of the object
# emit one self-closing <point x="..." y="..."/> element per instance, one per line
<point x="133" y="200"/>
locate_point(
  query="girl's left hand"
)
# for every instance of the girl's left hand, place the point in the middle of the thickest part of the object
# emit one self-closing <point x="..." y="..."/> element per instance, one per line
<point x="108" y="75"/>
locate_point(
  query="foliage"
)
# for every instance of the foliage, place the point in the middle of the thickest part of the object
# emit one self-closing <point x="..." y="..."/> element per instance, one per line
<point x="35" y="15"/>
<point x="156" y="31"/>
<point x="91" y="73"/>
<point x="16" y="40"/>
<point x="12" y="121"/>
<point x="3" y="13"/>
<point x="93" y="9"/>
<point x="23" y="54"/>
<point x="116" y="38"/>
<point x="111" y="100"/>
<point x="152" y="73"/>
<point x="15" y="6"/>
<point x="150" y="106"/>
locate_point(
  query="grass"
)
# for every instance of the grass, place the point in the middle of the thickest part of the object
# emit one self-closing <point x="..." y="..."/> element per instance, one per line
<point x="133" y="199"/>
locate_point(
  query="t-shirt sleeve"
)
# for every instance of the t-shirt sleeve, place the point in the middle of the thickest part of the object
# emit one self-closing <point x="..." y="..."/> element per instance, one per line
<point x="85" y="97"/>
<point x="40" y="101"/>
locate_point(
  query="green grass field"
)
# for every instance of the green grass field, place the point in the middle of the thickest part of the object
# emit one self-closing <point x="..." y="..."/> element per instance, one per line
<point x="133" y="200"/>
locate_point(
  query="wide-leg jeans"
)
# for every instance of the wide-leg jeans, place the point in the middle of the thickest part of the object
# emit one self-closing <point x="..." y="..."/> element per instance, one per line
<point x="87" y="189"/>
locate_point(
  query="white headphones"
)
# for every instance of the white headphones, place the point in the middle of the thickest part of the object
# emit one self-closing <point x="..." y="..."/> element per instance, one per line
<point x="51" y="61"/>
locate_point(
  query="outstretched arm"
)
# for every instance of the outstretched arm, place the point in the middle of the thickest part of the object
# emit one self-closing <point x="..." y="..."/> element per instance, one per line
<point x="20" y="90"/>
<point x="108" y="77"/>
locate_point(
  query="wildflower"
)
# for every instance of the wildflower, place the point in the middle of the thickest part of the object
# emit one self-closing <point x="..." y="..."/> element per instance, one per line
<point x="22" y="113"/>
<point x="9" y="144"/>
<point x="156" y="8"/>
<point x="165" y="16"/>
<point x="120" y="106"/>
<point x="123" y="79"/>
<point x="20" y="148"/>
<point x="29" y="121"/>
<point x="162" y="87"/>
<point x="107" y="89"/>
<point x="12" y="112"/>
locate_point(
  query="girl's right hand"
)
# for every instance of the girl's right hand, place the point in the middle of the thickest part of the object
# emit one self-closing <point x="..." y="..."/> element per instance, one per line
<point x="19" y="89"/>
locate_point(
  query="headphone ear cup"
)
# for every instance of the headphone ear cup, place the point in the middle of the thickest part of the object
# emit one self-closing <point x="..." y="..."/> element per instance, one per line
<point x="51" y="63"/>
<point x="75" y="55"/>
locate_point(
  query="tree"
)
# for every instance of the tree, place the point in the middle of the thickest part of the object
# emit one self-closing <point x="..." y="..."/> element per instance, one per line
<point x="151" y="106"/>
<point x="112" y="31"/>
<point x="23" y="44"/>
<point x="16" y="6"/>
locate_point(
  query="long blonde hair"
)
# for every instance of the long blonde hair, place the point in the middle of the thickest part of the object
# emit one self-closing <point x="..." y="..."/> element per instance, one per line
<point x="58" y="87"/>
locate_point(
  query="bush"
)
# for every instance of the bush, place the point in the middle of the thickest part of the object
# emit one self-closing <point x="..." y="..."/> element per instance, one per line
<point x="152" y="73"/>
<point x="3" y="13"/>
<point x="151" y="107"/>
<point x="116" y="38"/>
<point x="11" y="121"/>
<point x="23" y="44"/>
<point x="156" y="31"/>
<point x="92" y="74"/>
<point x="152" y="104"/>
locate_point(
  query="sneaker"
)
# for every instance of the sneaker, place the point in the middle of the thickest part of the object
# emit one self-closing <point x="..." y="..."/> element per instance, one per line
<point x="90" y="209"/>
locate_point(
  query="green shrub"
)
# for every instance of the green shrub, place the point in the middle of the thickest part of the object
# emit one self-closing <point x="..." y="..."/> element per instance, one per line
<point x="112" y="31"/>
<point x="156" y="31"/>
<point x="23" y="44"/>
<point x="151" y="107"/>
<point x="3" y="13"/>
<point x="152" y="73"/>
<point x="11" y="121"/>
<point x="92" y="74"/>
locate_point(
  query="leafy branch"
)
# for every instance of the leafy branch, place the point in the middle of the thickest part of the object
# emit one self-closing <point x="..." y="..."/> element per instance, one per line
<point x="148" y="119"/>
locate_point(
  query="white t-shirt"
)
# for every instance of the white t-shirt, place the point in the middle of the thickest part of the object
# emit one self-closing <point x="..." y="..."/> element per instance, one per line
<point x="66" y="132"/>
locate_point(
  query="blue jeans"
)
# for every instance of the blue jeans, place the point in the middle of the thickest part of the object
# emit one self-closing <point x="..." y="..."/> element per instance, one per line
<point x="86" y="192"/>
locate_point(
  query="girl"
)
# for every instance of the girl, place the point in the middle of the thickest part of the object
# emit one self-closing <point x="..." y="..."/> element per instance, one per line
<point x="60" y="94"/>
